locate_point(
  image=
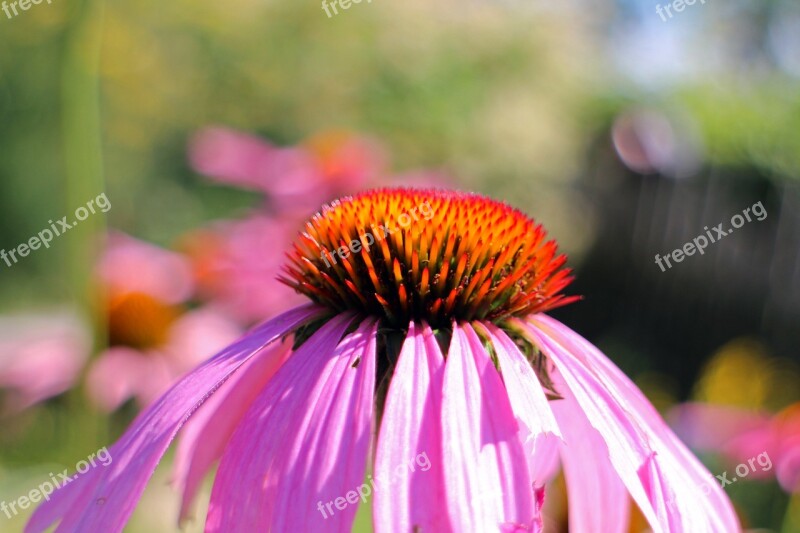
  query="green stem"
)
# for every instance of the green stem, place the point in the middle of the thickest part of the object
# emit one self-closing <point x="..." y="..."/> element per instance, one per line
<point x="82" y="139"/>
<point x="83" y="160"/>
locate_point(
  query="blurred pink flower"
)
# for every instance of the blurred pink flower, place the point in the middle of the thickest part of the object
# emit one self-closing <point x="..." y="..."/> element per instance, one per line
<point x="40" y="357"/>
<point x="129" y="265"/>
<point x="153" y="338"/>
<point x="294" y="178"/>
<point x="123" y="372"/>
<point x="739" y="435"/>
<point x="236" y="265"/>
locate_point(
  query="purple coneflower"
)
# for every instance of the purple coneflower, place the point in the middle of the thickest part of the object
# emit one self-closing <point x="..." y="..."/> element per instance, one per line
<point x="154" y="338"/>
<point x="486" y="393"/>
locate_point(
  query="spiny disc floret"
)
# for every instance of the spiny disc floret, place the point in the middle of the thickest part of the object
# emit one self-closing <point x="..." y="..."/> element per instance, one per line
<point x="433" y="255"/>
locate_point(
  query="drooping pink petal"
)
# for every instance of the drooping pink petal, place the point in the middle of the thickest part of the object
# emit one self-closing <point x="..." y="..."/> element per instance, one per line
<point x="110" y="494"/>
<point x="203" y="439"/>
<point x="409" y="474"/>
<point x="487" y="480"/>
<point x="303" y="444"/>
<point x="539" y="431"/>
<point x="598" y="501"/>
<point x="673" y="490"/>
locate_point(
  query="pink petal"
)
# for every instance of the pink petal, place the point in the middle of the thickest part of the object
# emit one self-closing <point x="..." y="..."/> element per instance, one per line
<point x="673" y="490"/>
<point x="304" y="442"/>
<point x="409" y="461"/>
<point x="597" y="499"/>
<point x="230" y="156"/>
<point x="244" y="160"/>
<point x="487" y="480"/>
<point x="205" y="436"/>
<point x="40" y="356"/>
<point x="110" y="493"/>
<point x="539" y="431"/>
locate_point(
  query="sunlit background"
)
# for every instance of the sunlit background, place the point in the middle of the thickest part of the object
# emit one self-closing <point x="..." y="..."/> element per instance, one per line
<point x="212" y="129"/>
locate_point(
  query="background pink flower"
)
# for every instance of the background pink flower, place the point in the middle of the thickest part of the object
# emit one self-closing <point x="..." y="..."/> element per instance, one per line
<point x="236" y="264"/>
<point x="129" y="265"/>
<point x="153" y="337"/>
<point x="123" y="372"/>
<point x="740" y="435"/>
<point x="296" y="178"/>
<point x="40" y="357"/>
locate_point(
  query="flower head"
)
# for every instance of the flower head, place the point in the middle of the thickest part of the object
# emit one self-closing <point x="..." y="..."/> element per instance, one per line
<point x="484" y="395"/>
<point x="153" y="337"/>
<point x="428" y="256"/>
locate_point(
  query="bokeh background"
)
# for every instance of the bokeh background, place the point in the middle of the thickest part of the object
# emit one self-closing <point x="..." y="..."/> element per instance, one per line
<point x="214" y="128"/>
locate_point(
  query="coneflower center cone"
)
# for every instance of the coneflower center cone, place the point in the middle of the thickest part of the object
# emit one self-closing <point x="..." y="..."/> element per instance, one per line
<point x="427" y="255"/>
<point x="139" y="320"/>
